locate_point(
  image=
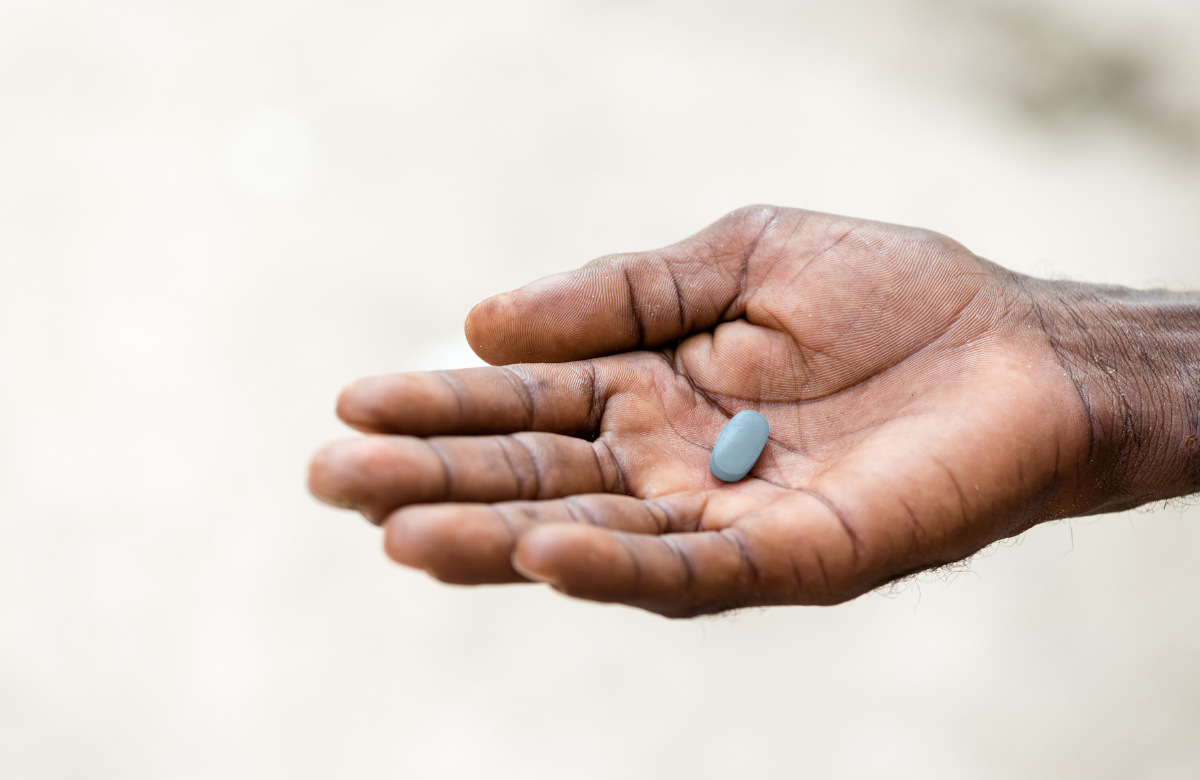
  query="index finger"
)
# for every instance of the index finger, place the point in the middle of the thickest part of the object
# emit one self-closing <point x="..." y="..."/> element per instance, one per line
<point x="551" y="397"/>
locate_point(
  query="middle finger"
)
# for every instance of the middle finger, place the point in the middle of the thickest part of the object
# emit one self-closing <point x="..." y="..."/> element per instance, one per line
<point x="379" y="474"/>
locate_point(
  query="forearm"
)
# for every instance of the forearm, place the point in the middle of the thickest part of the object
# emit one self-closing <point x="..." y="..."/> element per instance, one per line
<point x="1134" y="357"/>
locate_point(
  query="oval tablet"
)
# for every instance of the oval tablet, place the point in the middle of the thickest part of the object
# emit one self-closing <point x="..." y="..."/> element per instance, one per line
<point x="739" y="445"/>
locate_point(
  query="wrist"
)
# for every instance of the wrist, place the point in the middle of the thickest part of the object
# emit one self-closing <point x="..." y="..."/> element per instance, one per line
<point x="1134" y="357"/>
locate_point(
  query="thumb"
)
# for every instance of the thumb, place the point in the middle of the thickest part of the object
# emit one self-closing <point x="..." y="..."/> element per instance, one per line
<point x="623" y="302"/>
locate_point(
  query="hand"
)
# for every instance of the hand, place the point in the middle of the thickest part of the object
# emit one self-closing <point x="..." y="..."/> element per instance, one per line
<point x="923" y="403"/>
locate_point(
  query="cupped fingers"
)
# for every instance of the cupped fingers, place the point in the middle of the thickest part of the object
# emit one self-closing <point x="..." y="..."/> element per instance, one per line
<point x="472" y="544"/>
<point x="378" y="474"/>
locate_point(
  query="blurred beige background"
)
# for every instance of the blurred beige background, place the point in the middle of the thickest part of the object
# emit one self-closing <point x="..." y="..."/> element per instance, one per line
<point x="215" y="214"/>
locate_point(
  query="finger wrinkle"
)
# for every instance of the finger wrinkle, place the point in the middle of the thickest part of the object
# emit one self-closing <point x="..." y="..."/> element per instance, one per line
<point x="824" y="571"/>
<point x="615" y="484"/>
<point x="705" y="498"/>
<point x="634" y="560"/>
<point x="447" y="473"/>
<point x="797" y="579"/>
<point x="524" y="391"/>
<point x="502" y="512"/>
<point x="918" y="530"/>
<point x="458" y="396"/>
<point x="537" y="471"/>
<point x="633" y="308"/>
<point x="689" y="567"/>
<point x="662" y="518"/>
<point x="734" y="536"/>
<point x="680" y="309"/>
<point x="963" y="504"/>
<point x="599" y="405"/>
<point x="519" y="474"/>
<point x="576" y="508"/>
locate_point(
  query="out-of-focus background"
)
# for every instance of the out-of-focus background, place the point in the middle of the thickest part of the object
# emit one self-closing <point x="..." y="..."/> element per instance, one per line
<point x="215" y="214"/>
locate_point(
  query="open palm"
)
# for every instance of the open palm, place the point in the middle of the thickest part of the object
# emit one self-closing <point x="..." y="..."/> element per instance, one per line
<point x="918" y="412"/>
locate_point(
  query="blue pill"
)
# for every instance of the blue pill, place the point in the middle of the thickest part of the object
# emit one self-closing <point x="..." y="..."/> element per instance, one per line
<point x="739" y="445"/>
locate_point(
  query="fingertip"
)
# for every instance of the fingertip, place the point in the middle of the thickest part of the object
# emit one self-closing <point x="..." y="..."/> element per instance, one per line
<point x="358" y="405"/>
<point x="489" y="327"/>
<point x="577" y="559"/>
<point x="323" y="475"/>
<point x="464" y="544"/>
<point x="342" y="473"/>
<point x="534" y="555"/>
<point x="406" y="537"/>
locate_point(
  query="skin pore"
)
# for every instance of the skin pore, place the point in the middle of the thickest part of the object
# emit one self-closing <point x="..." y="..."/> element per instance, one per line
<point x="923" y="403"/>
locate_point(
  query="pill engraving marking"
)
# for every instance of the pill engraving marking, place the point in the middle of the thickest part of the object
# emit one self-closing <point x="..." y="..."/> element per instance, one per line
<point x="738" y="446"/>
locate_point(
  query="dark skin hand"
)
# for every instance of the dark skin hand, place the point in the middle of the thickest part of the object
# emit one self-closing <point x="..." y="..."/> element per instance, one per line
<point x="923" y="403"/>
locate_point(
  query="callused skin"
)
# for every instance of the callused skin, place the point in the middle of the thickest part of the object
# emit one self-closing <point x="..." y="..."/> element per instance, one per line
<point x="923" y="403"/>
